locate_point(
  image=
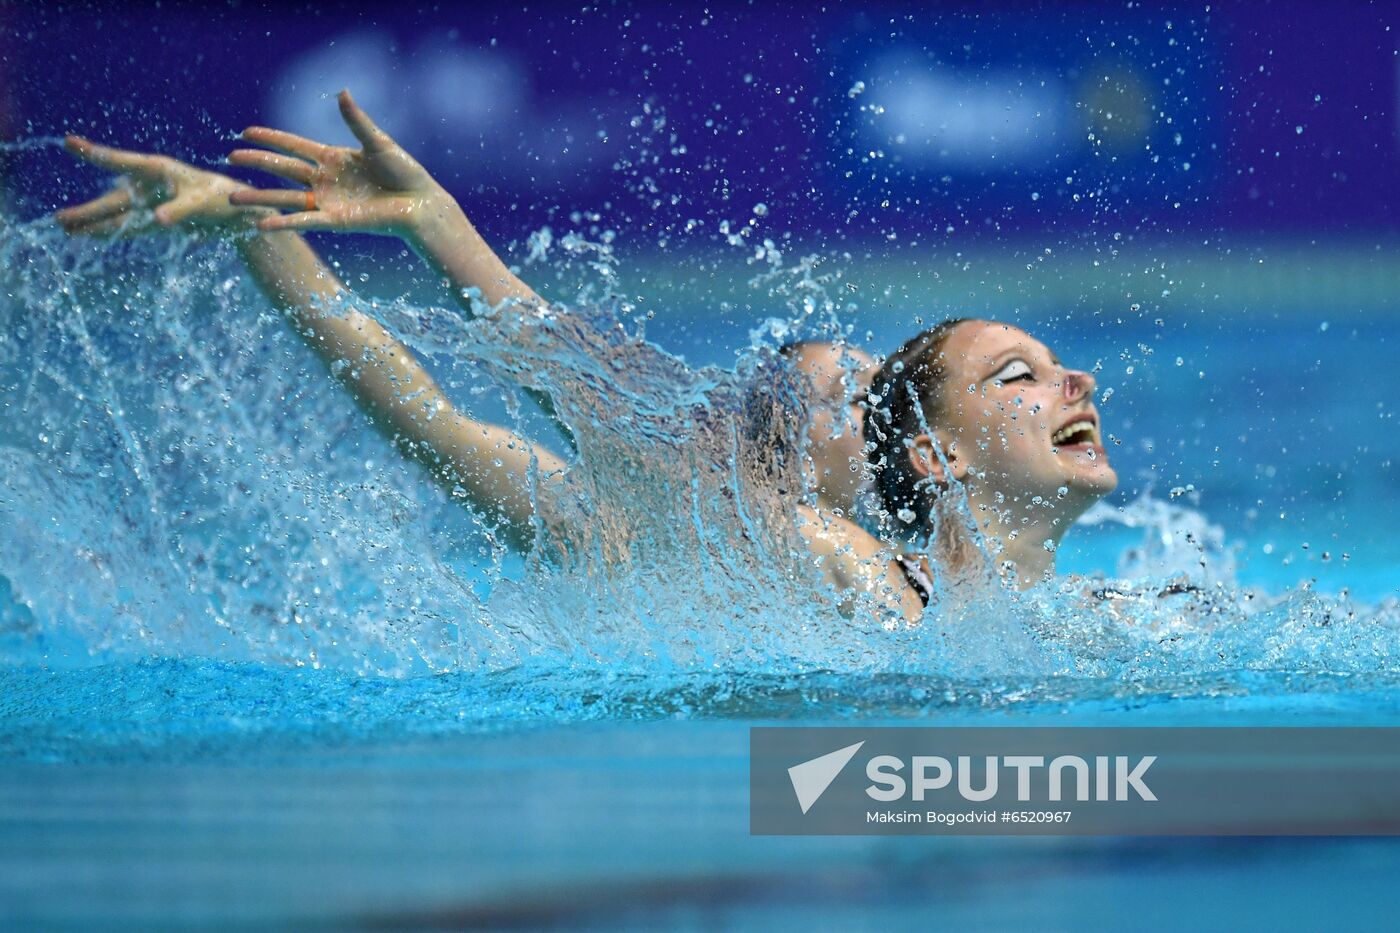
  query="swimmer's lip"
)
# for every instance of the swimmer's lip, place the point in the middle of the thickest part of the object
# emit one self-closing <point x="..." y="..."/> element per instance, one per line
<point x="1090" y="416"/>
<point x="1096" y="446"/>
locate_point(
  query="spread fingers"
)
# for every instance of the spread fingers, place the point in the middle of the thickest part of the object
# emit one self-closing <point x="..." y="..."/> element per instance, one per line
<point x="282" y="141"/>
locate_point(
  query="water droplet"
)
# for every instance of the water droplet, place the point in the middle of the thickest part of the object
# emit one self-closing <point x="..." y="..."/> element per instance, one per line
<point x="760" y="209"/>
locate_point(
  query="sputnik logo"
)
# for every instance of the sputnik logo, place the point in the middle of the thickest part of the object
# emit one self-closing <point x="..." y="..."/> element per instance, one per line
<point x="811" y="778"/>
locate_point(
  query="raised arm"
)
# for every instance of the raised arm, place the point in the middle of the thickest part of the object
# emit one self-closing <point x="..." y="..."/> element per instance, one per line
<point x="485" y="464"/>
<point x="378" y="188"/>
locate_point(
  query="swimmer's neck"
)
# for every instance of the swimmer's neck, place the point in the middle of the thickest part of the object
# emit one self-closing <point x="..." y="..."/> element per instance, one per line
<point x="1025" y="548"/>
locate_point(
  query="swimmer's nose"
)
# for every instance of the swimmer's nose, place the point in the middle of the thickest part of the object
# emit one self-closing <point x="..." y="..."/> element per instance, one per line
<point x="1077" y="385"/>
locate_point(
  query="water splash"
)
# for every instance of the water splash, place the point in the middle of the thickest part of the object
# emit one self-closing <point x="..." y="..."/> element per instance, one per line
<point x="181" y="479"/>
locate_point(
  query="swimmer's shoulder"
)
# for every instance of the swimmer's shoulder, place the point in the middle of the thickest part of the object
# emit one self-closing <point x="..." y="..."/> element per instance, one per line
<point x="835" y="532"/>
<point x="854" y="559"/>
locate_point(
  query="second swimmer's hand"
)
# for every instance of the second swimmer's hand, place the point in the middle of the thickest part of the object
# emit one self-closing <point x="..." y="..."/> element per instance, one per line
<point x="153" y="192"/>
<point x="378" y="188"/>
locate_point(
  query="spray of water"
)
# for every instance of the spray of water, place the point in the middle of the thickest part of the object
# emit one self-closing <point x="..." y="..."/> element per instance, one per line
<point x="178" y="477"/>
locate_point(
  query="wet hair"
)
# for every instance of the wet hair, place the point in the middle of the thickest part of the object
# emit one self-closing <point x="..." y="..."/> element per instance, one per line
<point x="775" y="410"/>
<point x="771" y="413"/>
<point x="906" y="401"/>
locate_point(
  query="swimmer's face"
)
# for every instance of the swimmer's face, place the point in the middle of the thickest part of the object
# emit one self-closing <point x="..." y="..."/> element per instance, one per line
<point x="839" y="375"/>
<point x="1018" y="421"/>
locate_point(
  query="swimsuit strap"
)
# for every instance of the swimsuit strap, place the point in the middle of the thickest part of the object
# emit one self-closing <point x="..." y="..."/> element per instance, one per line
<point x="914" y="573"/>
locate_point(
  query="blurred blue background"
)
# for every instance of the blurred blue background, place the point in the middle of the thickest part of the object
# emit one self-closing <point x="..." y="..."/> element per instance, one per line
<point x="891" y="121"/>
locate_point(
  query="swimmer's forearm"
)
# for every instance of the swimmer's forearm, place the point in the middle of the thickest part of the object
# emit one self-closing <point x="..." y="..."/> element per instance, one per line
<point x="489" y="466"/>
<point x="495" y="469"/>
<point x="447" y="240"/>
<point x="374" y="366"/>
<point x="452" y="246"/>
<point x="288" y="270"/>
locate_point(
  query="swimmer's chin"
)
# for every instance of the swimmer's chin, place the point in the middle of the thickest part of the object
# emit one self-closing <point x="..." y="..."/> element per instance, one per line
<point x="1101" y="482"/>
<point x="1091" y="476"/>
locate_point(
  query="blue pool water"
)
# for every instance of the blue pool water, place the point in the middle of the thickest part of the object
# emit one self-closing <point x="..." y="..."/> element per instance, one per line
<point x="256" y="671"/>
<point x="305" y="797"/>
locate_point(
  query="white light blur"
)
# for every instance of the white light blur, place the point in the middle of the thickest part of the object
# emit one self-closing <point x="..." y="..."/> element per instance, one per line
<point x="938" y="114"/>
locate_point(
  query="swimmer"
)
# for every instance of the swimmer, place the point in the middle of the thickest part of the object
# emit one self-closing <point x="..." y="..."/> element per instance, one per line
<point x="982" y="410"/>
<point x="972" y="408"/>
<point x="976" y="406"/>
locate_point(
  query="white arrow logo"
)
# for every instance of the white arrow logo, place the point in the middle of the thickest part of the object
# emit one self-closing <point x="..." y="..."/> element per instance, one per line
<point x="811" y="778"/>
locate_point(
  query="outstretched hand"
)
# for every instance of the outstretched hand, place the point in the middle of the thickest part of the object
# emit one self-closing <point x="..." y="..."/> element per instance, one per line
<point x="180" y="194"/>
<point x="378" y="188"/>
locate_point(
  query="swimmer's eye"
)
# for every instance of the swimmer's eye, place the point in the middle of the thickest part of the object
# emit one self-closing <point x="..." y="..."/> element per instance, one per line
<point x="1014" y="371"/>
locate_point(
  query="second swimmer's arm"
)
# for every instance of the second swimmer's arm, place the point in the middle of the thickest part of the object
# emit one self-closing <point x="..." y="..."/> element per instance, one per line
<point x="487" y="465"/>
<point x="380" y="188"/>
<point x="450" y="243"/>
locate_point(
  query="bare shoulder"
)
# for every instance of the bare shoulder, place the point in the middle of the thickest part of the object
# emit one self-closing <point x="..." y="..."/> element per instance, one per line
<point x="852" y="559"/>
<point x="832" y="534"/>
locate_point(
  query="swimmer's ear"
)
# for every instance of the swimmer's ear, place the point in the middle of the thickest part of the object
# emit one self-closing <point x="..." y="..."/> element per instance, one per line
<point x="925" y="461"/>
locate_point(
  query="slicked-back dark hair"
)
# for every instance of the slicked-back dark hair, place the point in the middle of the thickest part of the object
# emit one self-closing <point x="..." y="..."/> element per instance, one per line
<point x="777" y="405"/>
<point x="907" y="400"/>
<point x="771" y="411"/>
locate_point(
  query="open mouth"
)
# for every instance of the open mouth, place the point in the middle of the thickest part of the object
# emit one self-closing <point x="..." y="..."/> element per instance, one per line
<point x="1078" y="433"/>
